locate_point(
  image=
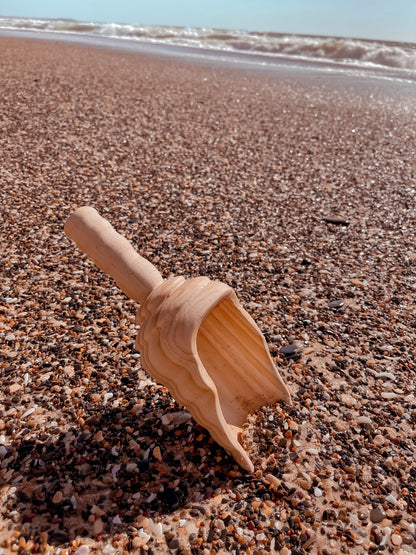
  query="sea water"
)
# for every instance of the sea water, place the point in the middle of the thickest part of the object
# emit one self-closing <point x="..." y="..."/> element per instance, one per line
<point x="375" y="58"/>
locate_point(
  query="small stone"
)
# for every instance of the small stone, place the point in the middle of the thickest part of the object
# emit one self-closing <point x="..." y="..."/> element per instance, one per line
<point x="317" y="492"/>
<point x="180" y="417"/>
<point x="217" y="500"/>
<point x="173" y="544"/>
<point x="142" y="522"/>
<point x="57" y="498"/>
<point x="82" y="550"/>
<point x="396" y="539"/>
<point x="379" y="439"/>
<point x="378" y="537"/>
<point x="157" y="529"/>
<point x="99" y="436"/>
<point x="348" y="400"/>
<point x="97" y="511"/>
<point x="391" y="499"/>
<point x="293" y="426"/>
<point x="389" y="395"/>
<point x="255" y="505"/>
<point x="336" y="220"/>
<point x="336" y="304"/>
<point x="342" y="515"/>
<point x="305" y="484"/>
<point x="291" y="351"/>
<point x="14" y="387"/>
<point x="364" y="421"/>
<point x="273" y="481"/>
<point x="157" y="453"/>
<point x="97" y="527"/>
<point x="144" y="535"/>
<point x="166" y="419"/>
<point x="377" y="514"/>
<point x="385" y="375"/>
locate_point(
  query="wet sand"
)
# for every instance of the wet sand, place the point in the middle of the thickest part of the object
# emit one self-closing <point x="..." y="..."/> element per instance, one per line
<point x="237" y="176"/>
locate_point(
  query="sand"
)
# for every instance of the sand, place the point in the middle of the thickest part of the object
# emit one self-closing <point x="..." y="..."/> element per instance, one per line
<point x="237" y="176"/>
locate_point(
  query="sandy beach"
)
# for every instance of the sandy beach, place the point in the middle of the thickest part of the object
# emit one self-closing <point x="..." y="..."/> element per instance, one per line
<point x="298" y="193"/>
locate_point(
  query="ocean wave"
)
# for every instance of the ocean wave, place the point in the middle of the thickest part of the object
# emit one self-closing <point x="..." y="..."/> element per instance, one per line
<point x="358" y="52"/>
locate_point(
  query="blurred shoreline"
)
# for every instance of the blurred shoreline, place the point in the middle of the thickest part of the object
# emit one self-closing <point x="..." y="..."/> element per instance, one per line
<point x="268" y="51"/>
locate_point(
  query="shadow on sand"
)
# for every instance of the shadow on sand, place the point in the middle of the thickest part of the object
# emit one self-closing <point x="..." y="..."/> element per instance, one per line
<point x="99" y="478"/>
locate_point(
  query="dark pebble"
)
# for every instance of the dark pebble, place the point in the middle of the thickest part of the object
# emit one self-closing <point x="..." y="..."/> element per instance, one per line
<point x="198" y="508"/>
<point x="336" y="304"/>
<point x="211" y="535"/>
<point x="377" y="514"/>
<point x="378" y="537"/>
<point x="291" y="351"/>
<point x="143" y="465"/>
<point x="336" y="220"/>
<point x="173" y="544"/>
<point x="169" y="498"/>
<point x="59" y="537"/>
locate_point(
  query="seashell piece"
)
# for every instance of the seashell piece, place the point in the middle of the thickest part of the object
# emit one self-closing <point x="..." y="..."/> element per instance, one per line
<point x="194" y="336"/>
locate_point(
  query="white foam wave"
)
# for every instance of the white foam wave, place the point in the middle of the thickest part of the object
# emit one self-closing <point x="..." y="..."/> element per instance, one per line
<point x="358" y="52"/>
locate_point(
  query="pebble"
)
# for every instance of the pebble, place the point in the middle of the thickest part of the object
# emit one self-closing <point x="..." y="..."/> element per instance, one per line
<point x="273" y="481"/>
<point x="396" y="540"/>
<point x="377" y="514"/>
<point x="336" y="304"/>
<point x="180" y="417"/>
<point x="99" y="436"/>
<point x="83" y="550"/>
<point x="157" y="453"/>
<point x="384" y="375"/>
<point x="336" y="220"/>
<point x="57" y="498"/>
<point x="15" y="387"/>
<point x="166" y="419"/>
<point x="97" y="527"/>
<point x="364" y="420"/>
<point x="389" y="395"/>
<point x="379" y="439"/>
<point x="291" y="351"/>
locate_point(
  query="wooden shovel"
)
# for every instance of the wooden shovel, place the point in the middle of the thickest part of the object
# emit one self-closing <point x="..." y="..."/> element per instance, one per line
<point x="194" y="336"/>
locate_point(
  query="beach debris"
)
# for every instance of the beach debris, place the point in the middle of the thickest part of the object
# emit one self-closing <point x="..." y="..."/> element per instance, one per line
<point x="339" y="303"/>
<point x="336" y="220"/>
<point x="195" y="337"/>
<point x="292" y="351"/>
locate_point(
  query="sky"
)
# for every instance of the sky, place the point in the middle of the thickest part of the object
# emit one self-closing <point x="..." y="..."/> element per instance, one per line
<point x="376" y="19"/>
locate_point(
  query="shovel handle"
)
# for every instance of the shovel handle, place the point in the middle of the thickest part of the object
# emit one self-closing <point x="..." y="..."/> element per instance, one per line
<point x="112" y="253"/>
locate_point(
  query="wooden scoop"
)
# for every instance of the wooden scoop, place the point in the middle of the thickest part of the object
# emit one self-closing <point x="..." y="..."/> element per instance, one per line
<point x="194" y="336"/>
